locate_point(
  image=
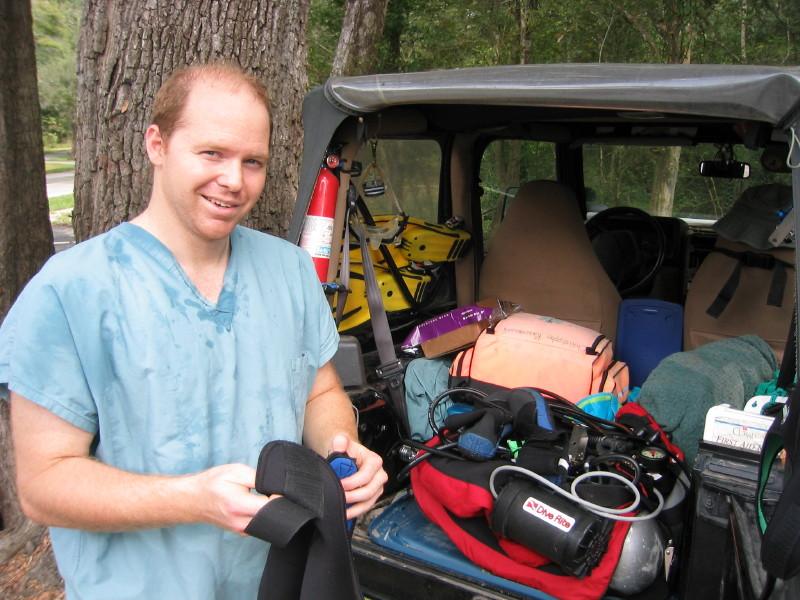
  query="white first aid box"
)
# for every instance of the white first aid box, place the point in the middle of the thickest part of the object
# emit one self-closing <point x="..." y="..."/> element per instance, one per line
<point x="728" y="426"/>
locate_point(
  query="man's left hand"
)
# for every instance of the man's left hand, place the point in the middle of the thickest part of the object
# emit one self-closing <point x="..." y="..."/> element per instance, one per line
<point x="363" y="488"/>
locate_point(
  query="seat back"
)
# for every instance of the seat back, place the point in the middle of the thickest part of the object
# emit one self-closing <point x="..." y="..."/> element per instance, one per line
<point x="748" y="311"/>
<point x="541" y="258"/>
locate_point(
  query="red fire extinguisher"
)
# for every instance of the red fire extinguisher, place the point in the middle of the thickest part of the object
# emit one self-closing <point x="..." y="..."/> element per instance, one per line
<point x="317" y="234"/>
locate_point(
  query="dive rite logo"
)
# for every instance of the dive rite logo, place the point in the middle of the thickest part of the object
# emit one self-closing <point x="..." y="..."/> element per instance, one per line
<point x="548" y="514"/>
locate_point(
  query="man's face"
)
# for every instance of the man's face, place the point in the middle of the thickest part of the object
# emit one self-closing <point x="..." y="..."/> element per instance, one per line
<point x="211" y="170"/>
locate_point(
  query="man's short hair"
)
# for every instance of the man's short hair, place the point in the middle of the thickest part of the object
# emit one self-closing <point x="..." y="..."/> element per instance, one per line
<point x="171" y="97"/>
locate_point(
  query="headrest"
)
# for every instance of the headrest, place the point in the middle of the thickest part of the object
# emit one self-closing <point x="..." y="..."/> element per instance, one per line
<point x="755" y="215"/>
<point x="544" y="202"/>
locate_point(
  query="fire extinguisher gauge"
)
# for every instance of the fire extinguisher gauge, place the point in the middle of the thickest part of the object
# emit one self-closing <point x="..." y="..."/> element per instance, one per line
<point x="332" y="161"/>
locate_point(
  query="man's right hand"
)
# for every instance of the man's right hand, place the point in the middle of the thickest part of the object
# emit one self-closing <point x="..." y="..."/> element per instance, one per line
<point x="226" y="497"/>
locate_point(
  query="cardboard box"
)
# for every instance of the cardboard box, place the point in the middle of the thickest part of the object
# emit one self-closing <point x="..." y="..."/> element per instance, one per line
<point x="456" y="329"/>
<point x="455" y="340"/>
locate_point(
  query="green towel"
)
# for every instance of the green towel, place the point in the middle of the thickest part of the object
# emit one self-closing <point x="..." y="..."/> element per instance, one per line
<point x="681" y="389"/>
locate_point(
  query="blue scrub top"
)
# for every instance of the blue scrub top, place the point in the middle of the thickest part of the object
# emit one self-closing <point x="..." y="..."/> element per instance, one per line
<point x="113" y="337"/>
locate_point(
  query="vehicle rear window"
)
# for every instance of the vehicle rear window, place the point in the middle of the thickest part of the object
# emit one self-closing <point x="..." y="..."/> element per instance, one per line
<point x="409" y="171"/>
<point x="505" y="165"/>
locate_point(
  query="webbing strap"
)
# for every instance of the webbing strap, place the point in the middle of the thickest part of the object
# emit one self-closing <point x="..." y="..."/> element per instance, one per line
<point x="788" y="368"/>
<point x="279" y="521"/>
<point x="780" y="543"/>
<point x="344" y="273"/>
<point x="777" y="286"/>
<point x="390" y="368"/>
<point x="750" y="259"/>
<point x="310" y="557"/>
<point x="773" y="444"/>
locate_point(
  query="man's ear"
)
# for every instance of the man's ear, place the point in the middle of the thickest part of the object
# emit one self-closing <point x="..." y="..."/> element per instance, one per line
<point x="155" y="144"/>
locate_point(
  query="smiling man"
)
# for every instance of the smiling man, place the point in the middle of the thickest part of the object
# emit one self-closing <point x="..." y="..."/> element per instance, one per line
<point x="147" y="367"/>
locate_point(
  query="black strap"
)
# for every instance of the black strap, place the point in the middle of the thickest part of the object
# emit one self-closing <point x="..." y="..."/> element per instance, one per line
<point x="344" y="273"/>
<point x="777" y="286"/>
<point x="310" y="556"/>
<point x="788" y="366"/>
<point x="279" y="521"/>
<point x="780" y="543"/>
<point x="724" y="296"/>
<point x="756" y="260"/>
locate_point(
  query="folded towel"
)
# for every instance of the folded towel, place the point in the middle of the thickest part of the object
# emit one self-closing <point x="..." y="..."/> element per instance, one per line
<point x="681" y="389"/>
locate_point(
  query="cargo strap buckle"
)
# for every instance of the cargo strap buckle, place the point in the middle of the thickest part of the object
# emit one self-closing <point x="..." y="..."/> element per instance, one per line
<point x="391" y="371"/>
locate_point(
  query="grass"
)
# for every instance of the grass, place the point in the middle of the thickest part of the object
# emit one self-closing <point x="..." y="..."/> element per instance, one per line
<point x="65" y="147"/>
<point x="61" y="209"/>
<point x="60" y="166"/>
<point x="61" y="202"/>
<point x="58" y="158"/>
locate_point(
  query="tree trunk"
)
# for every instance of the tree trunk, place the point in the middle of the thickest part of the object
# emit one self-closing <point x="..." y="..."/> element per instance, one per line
<point x="362" y="28"/>
<point x="26" y="241"/>
<point x="127" y="49"/>
<point x="394" y="27"/>
<point x="743" y="32"/>
<point x="523" y="17"/>
<point x="667" y="28"/>
<point x="665" y="177"/>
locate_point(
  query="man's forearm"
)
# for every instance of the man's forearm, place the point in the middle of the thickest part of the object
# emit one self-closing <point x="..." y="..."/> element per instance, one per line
<point x="328" y="412"/>
<point x="82" y="493"/>
<point x="60" y="484"/>
<point x="324" y="419"/>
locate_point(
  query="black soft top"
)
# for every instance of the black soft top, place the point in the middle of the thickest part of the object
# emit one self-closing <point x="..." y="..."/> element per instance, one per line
<point x="767" y="94"/>
<point x="732" y="92"/>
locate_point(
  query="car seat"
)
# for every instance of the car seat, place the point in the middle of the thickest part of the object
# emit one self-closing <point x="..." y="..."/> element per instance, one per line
<point x="763" y="301"/>
<point x="541" y="258"/>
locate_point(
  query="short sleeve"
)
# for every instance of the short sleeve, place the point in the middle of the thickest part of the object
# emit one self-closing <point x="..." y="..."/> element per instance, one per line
<point x="319" y="310"/>
<point x="39" y="358"/>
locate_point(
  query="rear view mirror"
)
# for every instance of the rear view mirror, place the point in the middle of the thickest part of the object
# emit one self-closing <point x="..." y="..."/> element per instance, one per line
<point x="727" y="169"/>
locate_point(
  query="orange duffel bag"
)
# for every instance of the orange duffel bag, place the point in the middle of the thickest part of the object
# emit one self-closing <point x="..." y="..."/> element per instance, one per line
<point x="527" y="350"/>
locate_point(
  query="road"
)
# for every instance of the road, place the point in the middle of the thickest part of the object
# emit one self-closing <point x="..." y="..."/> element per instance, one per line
<point x="60" y="184"/>
<point x="63" y="237"/>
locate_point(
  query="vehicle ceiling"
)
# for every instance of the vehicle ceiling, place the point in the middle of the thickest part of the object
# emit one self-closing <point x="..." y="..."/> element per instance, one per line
<point x="578" y="125"/>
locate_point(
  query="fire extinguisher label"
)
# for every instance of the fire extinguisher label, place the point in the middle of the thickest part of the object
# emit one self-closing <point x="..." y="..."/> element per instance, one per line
<point x="548" y="514"/>
<point x="316" y="236"/>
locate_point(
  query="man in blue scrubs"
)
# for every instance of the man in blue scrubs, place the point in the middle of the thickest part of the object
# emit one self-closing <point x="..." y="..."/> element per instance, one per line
<point x="148" y="366"/>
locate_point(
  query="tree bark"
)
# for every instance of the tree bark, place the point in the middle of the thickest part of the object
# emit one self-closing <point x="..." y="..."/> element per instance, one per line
<point x="665" y="177"/>
<point x="127" y="49"/>
<point x="26" y="241"/>
<point x="362" y="28"/>
<point x="743" y="32"/>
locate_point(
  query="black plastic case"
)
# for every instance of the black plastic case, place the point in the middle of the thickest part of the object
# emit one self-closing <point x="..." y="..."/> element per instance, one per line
<point x="724" y="543"/>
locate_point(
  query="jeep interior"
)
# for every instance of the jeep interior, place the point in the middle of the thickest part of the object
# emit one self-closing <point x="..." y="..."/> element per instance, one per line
<point x="580" y="187"/>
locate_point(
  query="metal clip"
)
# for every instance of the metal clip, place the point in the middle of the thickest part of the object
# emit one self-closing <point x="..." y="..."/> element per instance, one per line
<point x="669" y="555"/>
<point x="391" y="372"/>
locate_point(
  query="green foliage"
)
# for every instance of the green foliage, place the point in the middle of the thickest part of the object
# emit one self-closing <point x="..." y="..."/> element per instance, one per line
<point x="324" y="25"/>
<point x="55" y="29"/>
<point x="422" y="35"/>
